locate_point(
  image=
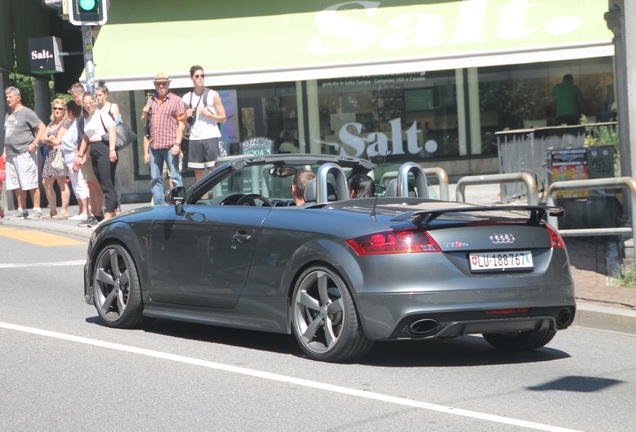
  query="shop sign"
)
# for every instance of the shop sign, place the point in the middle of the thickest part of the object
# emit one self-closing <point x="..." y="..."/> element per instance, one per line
<point x="378" y="143"/>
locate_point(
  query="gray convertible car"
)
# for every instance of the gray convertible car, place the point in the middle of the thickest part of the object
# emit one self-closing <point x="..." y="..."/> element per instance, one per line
<point x="337" y="273"/>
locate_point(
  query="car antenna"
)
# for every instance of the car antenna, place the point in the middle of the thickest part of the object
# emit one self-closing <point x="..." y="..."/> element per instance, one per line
<point x="375" y="202"/>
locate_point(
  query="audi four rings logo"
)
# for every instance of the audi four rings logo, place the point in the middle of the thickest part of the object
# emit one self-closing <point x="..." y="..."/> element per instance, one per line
<point x="502" y="238"/>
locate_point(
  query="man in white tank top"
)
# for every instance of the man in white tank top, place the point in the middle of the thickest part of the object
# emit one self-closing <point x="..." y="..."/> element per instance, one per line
<point x="203" y="114"/>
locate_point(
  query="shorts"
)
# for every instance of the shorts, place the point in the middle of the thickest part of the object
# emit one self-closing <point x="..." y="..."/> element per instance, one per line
<point x="22" y="172"/>
<point x="87" y="171"/>
<point x="203" y="153"/>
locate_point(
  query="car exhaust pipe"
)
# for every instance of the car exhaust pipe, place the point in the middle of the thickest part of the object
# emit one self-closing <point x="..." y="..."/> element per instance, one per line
<point x="422" y="327"/>
<point x="564" y="318"/>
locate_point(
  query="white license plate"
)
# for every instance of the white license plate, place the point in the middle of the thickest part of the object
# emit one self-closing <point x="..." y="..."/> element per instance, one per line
<point x="493" y="261"/>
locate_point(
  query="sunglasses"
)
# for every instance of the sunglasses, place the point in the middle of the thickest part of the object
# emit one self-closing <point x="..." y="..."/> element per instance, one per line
<point x="87" y="104"/>
<point x="199" y="76"/>
<point x="58" y="109"/>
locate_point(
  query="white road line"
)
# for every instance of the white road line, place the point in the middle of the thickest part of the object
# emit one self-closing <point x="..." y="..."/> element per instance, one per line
<point x="287" y="379"/>
<point x="39" y="264"/>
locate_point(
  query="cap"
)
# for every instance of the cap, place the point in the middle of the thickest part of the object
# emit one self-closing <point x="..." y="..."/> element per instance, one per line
<point x="161" y="77"/>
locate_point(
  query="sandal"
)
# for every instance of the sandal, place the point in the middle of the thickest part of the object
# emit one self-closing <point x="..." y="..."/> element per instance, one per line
<point x="48" y="216"/>
<point x="59" y="216"/>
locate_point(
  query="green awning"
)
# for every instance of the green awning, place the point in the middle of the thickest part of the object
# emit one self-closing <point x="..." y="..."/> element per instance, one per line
<point x="254" y="41"/>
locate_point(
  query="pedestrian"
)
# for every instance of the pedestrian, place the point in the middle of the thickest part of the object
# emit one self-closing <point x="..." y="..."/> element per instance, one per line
<point x="361" y="186"/>
<point x="567" y="102"/>
<point x="103" y="152"/>
<point x="96" y="196"/>
<point x="101" y="94"/>
<point x="20" y="146"/>
<point x="166" y="111"/>
<point x="52" y="138"/>
<point x="69" y="150"/>
<point x="204" y="113"/>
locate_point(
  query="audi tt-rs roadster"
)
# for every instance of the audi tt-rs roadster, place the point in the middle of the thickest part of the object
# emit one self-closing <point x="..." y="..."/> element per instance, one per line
<point x="337" y="273"/>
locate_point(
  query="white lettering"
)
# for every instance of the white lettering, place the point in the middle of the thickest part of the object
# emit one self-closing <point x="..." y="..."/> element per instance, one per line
<point x="419" y="30"/>
<point x="470" y="23"/>
<point x="377" y="143"/>
<point x="512" y="21"/>
<point x="352" y="141"/>
<point x="396" y="136"/>
<point x="358" y="33"/>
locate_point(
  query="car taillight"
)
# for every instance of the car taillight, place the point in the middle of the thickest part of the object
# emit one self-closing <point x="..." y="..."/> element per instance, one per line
<point x="394" y="242"/>
<point x="555" y="238"/>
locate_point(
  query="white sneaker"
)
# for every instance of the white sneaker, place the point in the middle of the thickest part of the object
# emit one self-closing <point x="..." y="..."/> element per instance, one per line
<point x="78" y="217"/>
<point x="19" y="215"/>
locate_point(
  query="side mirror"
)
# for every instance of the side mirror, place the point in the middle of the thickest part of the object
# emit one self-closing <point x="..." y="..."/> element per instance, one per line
<point x="175" y="196"/>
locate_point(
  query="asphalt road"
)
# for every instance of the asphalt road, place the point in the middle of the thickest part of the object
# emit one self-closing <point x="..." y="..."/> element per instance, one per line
<point x="62" y="371"/>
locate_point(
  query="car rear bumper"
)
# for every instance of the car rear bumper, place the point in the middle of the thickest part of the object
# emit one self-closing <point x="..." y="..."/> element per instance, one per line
<point x="415" y="316"/>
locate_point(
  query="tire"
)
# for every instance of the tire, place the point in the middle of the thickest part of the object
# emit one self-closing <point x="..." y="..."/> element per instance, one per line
<point x="324" y="318"/>
<point x="116" y="288"/>
<point x="520" y="341"/>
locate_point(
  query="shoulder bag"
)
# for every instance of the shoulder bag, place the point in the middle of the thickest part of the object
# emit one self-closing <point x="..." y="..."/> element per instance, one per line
<point x="125" y="135"/>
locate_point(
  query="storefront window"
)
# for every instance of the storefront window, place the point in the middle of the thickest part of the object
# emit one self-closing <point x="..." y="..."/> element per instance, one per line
<point x="405" y="117"/>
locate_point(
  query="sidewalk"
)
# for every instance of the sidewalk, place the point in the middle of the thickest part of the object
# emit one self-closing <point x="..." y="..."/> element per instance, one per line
<point x="600" y="304"/>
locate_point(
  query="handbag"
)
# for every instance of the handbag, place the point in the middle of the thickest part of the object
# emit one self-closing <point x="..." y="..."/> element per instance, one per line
<point x="125" y="135"/>
<point x="58" y="161"/>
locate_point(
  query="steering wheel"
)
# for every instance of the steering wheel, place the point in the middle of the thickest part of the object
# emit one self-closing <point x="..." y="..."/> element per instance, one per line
<point x="250" y="200"/>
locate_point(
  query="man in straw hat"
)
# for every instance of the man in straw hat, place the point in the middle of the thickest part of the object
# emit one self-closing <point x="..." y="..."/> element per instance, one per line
<point x="165" y="111"/>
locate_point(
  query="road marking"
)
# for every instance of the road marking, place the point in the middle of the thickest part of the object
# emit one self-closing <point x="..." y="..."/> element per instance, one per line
<point x="287" y="379"/>
<point x="39" y="238"/>
<point x="49" y="264"/>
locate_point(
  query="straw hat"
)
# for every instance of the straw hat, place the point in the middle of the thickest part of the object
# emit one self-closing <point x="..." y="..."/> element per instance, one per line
<point x="161" y="77"/>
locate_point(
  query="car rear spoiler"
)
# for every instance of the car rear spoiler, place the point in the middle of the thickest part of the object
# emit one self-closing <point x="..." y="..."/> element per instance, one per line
<point x="425" y="217"/>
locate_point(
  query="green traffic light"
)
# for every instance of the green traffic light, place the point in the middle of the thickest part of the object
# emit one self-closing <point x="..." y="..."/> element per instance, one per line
<point x="87" y="5"/>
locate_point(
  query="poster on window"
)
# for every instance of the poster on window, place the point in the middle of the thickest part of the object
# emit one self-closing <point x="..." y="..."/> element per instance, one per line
<point x="229" y="129"/>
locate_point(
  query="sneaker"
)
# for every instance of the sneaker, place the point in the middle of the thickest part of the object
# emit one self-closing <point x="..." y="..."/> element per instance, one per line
<point x="19" y="215"/>
<point x="88" y="222"/>
<point x="35" y="215"/>
<point x="78" y="217"/>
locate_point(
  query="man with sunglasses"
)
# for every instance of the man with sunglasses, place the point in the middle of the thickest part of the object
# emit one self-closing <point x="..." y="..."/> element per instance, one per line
<point x="204" y="113"/>
<point x="166" y="111"/>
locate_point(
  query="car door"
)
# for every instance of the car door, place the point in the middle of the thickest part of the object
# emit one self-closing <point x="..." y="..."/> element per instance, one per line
<point x="201" y="256"/>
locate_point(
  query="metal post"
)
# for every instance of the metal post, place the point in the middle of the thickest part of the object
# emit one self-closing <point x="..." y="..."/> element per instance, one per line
<point x="89" y="66"/>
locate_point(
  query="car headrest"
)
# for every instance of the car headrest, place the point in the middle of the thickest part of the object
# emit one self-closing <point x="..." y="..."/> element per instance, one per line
<point x="391" y="188"/>
<point x="331" y="192"/>
<point x="310" y="191"/>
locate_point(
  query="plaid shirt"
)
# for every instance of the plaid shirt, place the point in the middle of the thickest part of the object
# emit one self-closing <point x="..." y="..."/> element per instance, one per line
<point x="165" y="116"/>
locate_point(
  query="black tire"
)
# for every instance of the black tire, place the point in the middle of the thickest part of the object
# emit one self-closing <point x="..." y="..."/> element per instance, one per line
<point x="116" y="288"/>
<point x="520" y="341"/>
<point x="324" y="318"/>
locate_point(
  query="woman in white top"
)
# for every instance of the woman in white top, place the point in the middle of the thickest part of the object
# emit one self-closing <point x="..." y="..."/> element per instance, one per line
<point x="103" y="154"/>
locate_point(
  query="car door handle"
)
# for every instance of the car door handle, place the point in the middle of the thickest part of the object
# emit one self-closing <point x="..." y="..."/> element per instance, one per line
<point x="241" y="237"/>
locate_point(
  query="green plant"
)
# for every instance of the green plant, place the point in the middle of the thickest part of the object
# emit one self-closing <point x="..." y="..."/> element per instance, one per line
<point x="625" y="276"/>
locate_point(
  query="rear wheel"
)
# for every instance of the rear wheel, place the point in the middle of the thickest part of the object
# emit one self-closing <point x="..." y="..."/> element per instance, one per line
<point x="116" y="288"/>
<point x="520" y="341"/>
<point x="324" y="318"/>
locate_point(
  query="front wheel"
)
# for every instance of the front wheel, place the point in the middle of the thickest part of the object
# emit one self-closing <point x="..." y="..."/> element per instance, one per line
<point x="324" y="318"/>
<point x="520" y="341"/>
<point x="116" y="288"/>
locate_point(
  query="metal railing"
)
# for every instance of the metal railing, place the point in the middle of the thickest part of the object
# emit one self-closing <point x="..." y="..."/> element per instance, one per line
<point x="442" y="178"/>
<point x="521" y="177"/>
<point x="594" y="184"/>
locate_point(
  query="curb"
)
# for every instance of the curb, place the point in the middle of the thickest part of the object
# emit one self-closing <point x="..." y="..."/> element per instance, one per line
<point x="590" y="315"/>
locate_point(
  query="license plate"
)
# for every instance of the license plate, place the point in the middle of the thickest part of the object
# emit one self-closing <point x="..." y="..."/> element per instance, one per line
<point x="494" y="261"/>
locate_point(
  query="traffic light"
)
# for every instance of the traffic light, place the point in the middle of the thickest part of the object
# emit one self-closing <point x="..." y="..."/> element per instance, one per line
<point x="88" y="12"/>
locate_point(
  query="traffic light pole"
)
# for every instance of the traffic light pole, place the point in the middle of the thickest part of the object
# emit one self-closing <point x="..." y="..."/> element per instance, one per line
<point x="89" y="66"/>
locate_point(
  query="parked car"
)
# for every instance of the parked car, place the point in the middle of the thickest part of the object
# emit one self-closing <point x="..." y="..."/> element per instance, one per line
<point x="337" y="273"/>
